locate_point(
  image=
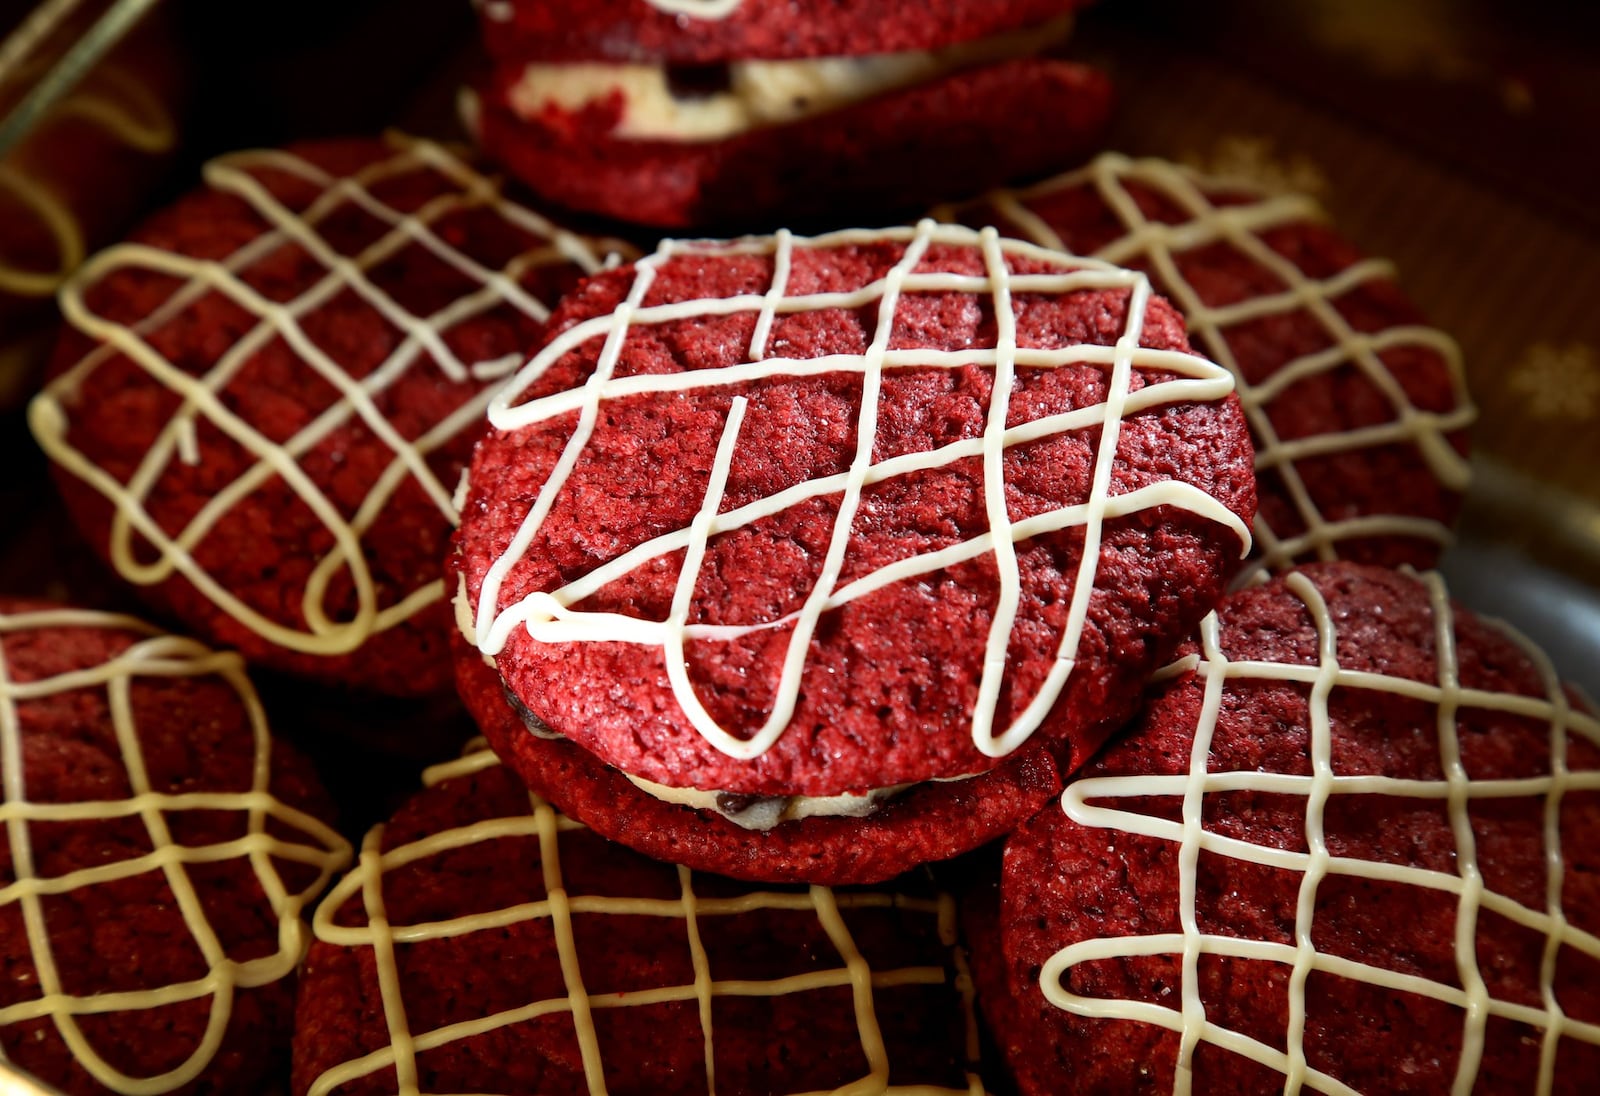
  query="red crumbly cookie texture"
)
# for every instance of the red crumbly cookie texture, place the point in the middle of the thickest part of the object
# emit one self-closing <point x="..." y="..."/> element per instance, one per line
<point x="880" y="702"/>
<point x="633" y="31"/>
<point x="928" y="823"/>
<point x="1391" y="478"/>
<point x="1065" y="883"/>
<point x="129" y="934"/>
<point x="893" y="154"/>
<point x="760" y="1043"/>
<point x="264" y="549"/>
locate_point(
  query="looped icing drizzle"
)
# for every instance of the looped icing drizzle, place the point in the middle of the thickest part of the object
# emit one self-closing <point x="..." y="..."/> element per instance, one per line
<point x="201" y="396"/>
<point x="548" y="616"/>
<point x="542" y="823"/>
<point x="1154" y="244"/>
<point x="122" y="109"/>
<point x="1091" y="802"/>
<point x="153" y="656"/>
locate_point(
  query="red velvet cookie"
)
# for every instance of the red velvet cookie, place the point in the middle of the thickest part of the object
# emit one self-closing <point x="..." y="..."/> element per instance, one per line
<point x="697" y="551"/>
<point x="1351" y="841"/>
<point x="760" y="113"/>
<point x="160" y="848"/>
<point x="708" y="32"/>
<point x="484" y="945"/>
<point x="1358" y="410"/>
<point x="263" y="402"/>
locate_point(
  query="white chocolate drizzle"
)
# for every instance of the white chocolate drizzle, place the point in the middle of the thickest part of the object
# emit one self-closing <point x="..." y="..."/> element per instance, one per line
<point x="699" y="916"/>
<point x="125" y="111"/>
<point x="1090" y="802"/>
<point x="549" y="617"/>
<point x="154" y="656"/>
<point x="1155" y="244"/>
<point x="203" y="405"/>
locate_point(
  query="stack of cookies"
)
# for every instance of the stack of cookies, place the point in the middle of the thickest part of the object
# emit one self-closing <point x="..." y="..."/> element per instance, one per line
<point x="989" y="653"/>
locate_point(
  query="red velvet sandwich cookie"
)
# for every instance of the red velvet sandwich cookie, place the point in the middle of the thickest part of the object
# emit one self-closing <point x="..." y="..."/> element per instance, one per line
<point x="1358" y="409"/>
<point x="781" y="527"/>
<point x="486" y="944"/>
<point x="263" y="403"/>
<point x="766" y="112"/>
<point x="1348" y="848"/>
<point x="159" y="851"/>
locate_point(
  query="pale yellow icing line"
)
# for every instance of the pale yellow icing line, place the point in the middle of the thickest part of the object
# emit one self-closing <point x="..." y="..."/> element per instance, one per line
<point x="969" y="997"/>
<point x="740" y="517"/>
<point x="683" y="595"/>
<point x="131" y="112"/>
<point x="533" y="911"/>
<point x="1321" y="749"/>
<point x="782" y="261"/>
<point x="950" y="936"/>
<point x="1456" y="790"/>
<point x="1198" y="370"/>
<point x="1562" y="781"/>
<point x="1241" y="226"/>
<point x="114" y="116"/>
<point x="63" y="226"/>
<point x="475" y="757"/>
<point x="153" y="656"/>
<point x="548" y="616"/>
<point x="1194" y="1010"/>
<point x="567" y="948"/>
<point x="492" y="633"/>
<point x="1279" y="553"/>
<point x="860" y="975"/>
<point x="201" y="395"/>
<point x="384" y="962"/>
<point x="993" y="450"/>
<point x="1098" y="509"/>
<point x="1472" y="888"/>
<point x="558" y="909"/>
<point x="702" y="974"/>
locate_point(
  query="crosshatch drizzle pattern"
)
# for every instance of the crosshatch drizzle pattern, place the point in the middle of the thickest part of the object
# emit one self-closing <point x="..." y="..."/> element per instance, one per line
<point x="1092" y="802"/>
<point x="1154" y="245"/>
<point x="424" y="345"/>
<point x="559" y="908"/>
<point x="153" y="657"/>
<point x="549" y="616"/>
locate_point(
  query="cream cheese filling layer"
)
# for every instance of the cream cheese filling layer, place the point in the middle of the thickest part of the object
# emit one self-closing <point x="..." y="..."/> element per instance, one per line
<point x="762" y="812"/>
<point x="757" y="93"/>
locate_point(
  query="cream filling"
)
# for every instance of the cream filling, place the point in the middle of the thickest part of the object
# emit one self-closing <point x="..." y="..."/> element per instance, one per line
<point x="759" y="93"/>
<point x="753" y="812"/>
<point x="762" y="812"/>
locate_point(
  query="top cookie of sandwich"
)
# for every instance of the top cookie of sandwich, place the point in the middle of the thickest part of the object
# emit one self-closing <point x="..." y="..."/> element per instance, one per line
<point x="262" y="402"/>
<point x="700" y="32"/>
<point x="725" y="115"/>
<point x="1358" y="409"/>
<point x="810" y="516"/>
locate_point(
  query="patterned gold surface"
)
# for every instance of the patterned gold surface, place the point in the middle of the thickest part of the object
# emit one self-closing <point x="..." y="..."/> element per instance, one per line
<point x="1511" y="280"/>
